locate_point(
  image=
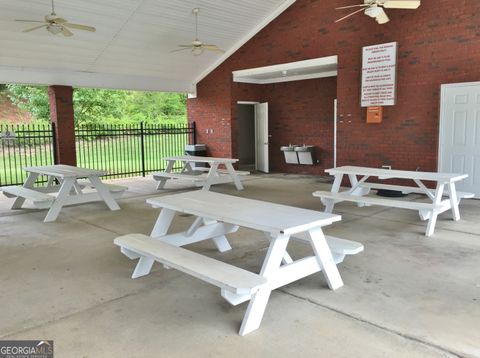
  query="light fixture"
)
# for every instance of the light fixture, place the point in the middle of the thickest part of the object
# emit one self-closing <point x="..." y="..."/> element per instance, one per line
<point x="284" y="73"/>
<point x="197" y="51"/>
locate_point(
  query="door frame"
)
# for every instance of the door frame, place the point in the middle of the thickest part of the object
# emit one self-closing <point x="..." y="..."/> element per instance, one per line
<point x="443" y="115"/>
<point x="255" y="124"/>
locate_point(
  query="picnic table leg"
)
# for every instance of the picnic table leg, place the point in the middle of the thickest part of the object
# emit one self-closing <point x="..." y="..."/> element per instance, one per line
<point x="57" y="205"/>
<point x="454" y="201"/>
<point x="258" y="303"/>
<point x="31" y="179"/>
<point x="168" y="169"/>
<point x="234" y="176"/>
<point x="221" y="241"/>
<point x="210" y="177"/>
<point x="324" y="258"/>
<point x="104" y="193"/>
<point x="434" y="214"/>
<point x="329" y="203"/>
<point x="163" y="223"/>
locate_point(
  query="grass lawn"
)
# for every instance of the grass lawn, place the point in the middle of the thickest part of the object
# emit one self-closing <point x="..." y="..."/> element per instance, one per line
<point x="120" y="156"/>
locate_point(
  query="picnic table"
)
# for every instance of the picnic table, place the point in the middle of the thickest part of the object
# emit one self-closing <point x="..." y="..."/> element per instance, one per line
<point x="444" y="186"/>
<point x="201" y="176"/>
<point x="217" y="215"/>
<point x="64" y="187"/>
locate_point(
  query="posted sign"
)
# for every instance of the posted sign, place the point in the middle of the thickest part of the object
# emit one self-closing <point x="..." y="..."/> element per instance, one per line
<point x="379" y="68"/>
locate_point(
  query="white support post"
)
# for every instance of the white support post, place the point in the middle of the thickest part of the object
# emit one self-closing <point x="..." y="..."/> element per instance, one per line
<point x="103" y="191"/>
<point x="234" y="176"/>
<point x="220" y="241"/>
<point x="325" y="259"/>
<point x="210" y="177"/>
<point x="454" y="201"/>
<point x="271" y="264"/>
<point x="32" y="178"/>
<point x="163" y="180"/>
<point x="330" y="203"/>
<point x="163" y="223"/>
<point x="63" y="194"/>
<point x="434" y="214"/>
<point x="287" y="259"/>
<point x="144" y="266"/>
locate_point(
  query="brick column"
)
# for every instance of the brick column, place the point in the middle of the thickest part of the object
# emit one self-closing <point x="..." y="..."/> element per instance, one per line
<point x="61" y="115"/>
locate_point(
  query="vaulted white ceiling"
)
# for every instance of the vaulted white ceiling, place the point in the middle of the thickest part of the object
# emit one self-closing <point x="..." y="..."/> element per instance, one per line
<point x="131" y="48"/>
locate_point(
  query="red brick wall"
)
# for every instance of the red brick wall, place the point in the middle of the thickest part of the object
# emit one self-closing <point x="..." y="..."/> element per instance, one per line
<point x="438" y="43"/>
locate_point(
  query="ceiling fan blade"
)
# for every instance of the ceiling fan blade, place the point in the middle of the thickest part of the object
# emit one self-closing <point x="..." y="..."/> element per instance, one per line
<point x="345" y="17"/>
<point x="30" y="21"/>
<point x="213" y="48"/>
<point x="382" y="18"/>
<point x="186" y="46"/>
<point x="35" y="28"/>
<point x="350" y="6"/>
<point x="180" y="49"/>
<point x="400" y="4"/>
<point x="80" y="27"/>
<point x="66" y="32"/>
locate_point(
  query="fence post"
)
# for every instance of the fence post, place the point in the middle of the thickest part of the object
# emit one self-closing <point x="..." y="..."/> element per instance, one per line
<point x="142" y="149"/>
<point x="194" y="128"/>
<point x="54" y="143"/>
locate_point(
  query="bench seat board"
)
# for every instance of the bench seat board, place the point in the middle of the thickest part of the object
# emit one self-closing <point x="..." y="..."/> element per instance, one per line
<point x="404" y="204"/>
<point x="30" y="194"/>
<point x="215" y="272"/>
<point x="412" y="189"/>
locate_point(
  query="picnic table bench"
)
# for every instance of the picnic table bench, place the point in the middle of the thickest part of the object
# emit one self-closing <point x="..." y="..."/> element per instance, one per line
<point x="445" y="186"/>
<point x="218" y="215"/>
<point x="200" y="176"/>
<point x="69" y="190"/>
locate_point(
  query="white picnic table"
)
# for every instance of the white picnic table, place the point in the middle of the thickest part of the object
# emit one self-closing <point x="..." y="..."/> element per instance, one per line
<point x="201" y="176"/>
<point x="217" y="215"/>
<point x="359" y="188"/>
<point x="64" y="187"/>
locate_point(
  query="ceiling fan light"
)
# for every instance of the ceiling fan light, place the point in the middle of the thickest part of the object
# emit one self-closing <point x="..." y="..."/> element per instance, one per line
<point x="373" y="11"/>
<point x="54" y="29"/>
<point x="197" y="51"/>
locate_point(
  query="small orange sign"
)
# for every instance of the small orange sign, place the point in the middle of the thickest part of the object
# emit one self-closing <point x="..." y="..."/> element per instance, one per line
<point x="374" y="114"/>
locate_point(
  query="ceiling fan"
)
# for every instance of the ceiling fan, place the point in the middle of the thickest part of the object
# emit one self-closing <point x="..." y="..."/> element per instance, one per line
<point x="374" y="8"/>
<point x="198" y="47"/>
<point x="56" y="25"/>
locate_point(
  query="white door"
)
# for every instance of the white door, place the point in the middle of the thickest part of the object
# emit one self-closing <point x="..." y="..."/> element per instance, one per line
<point x="459" y="149"/>
<point x="261" y="137"/>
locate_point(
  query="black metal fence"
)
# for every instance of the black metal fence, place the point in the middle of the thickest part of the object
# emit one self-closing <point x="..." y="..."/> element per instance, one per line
<point x="120" y="150"/>
<point x="24" y="145"/>
<point x="130" y="150"/>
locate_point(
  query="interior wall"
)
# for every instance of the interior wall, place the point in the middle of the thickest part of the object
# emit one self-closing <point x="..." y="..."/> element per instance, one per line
<point x="246" y="134"/>
<point x="436" y="44"/>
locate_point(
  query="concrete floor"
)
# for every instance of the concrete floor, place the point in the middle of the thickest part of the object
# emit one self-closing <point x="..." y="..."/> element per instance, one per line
<point x="405" y="296"/>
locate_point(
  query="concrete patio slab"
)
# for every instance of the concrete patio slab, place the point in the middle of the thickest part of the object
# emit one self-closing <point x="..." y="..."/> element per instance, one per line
<point x="405" y="296"/>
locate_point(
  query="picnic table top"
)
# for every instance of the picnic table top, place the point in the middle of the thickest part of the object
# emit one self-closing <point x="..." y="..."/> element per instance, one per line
<point x="63" y="171"/>
<point x="254" y="214"/>
<point x="400" y="174"/>
<point x="193" y="158"/>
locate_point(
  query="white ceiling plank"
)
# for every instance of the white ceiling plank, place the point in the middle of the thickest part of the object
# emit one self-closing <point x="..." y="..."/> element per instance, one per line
<point x="134" y="38"/>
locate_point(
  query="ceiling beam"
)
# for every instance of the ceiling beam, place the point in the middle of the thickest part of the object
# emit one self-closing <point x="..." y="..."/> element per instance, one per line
<point x="33" y="76"/>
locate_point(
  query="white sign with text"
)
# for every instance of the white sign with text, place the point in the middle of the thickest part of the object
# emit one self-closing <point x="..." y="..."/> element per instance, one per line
<point x="379" y="69"/>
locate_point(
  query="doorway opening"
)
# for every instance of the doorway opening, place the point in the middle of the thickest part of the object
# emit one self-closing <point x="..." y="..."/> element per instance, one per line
<point x="252" y="136"/>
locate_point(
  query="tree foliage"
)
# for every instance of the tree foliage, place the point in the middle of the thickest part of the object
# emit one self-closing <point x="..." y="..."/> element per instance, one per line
<point x="105" y="106"/>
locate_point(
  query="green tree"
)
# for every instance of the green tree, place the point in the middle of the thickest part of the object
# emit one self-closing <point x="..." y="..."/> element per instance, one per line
<point x="105" y="106"/>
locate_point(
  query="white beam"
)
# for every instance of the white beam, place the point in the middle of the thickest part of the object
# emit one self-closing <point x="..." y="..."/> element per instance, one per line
<point x="33" y="76"/>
